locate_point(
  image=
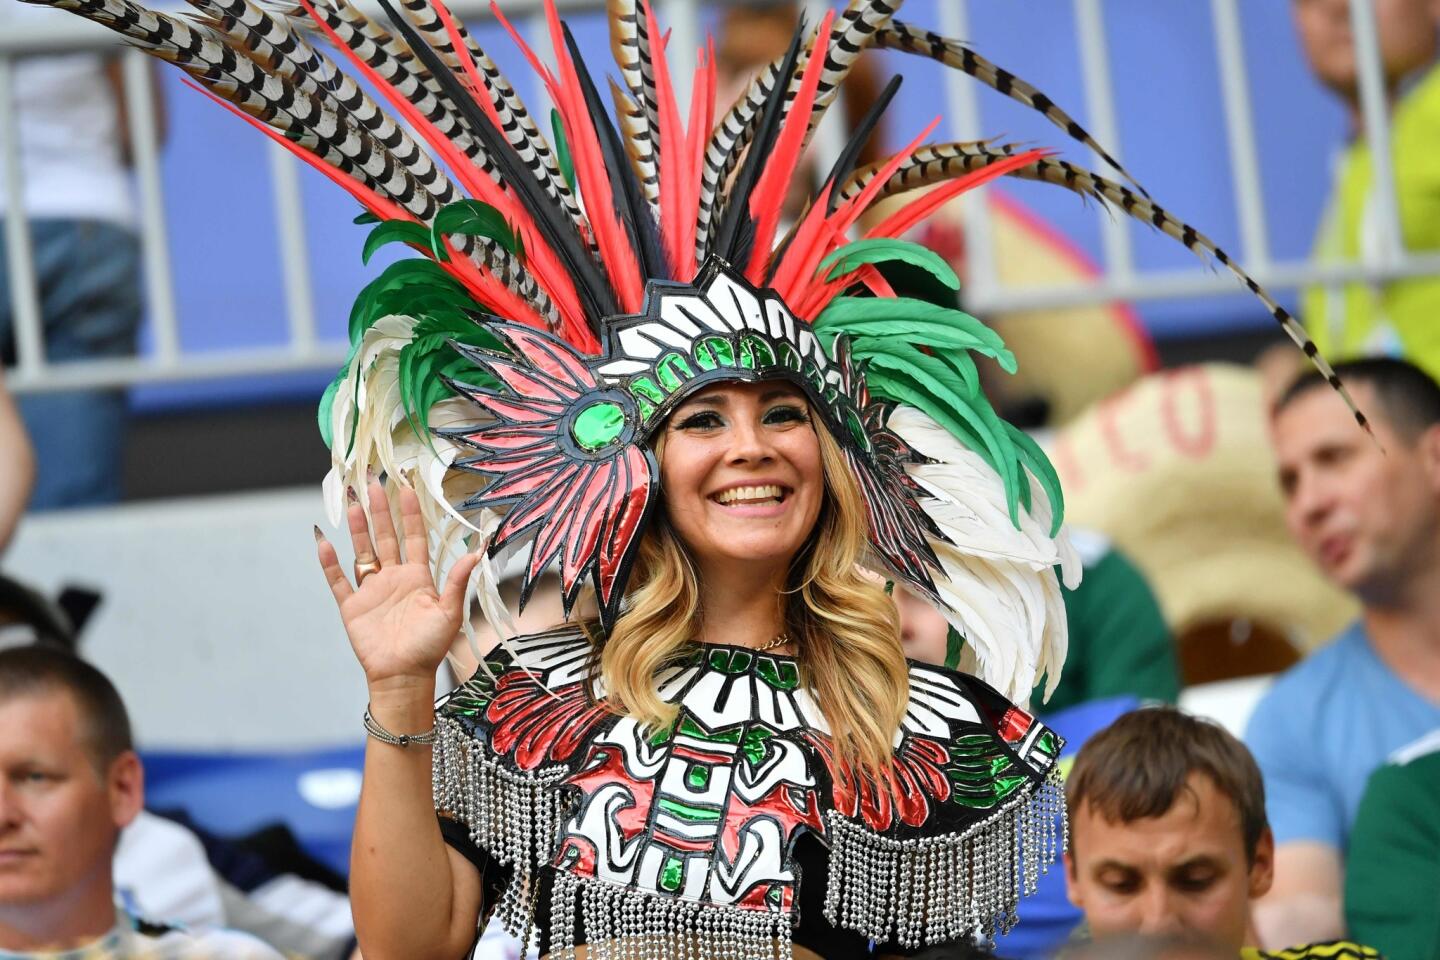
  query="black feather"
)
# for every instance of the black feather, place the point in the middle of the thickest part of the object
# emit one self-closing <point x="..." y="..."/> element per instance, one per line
<point x="596" y="296"/>
<point x="630" y="204"/>
<point x="845" y="163"/>
<point x="737" y="226"/>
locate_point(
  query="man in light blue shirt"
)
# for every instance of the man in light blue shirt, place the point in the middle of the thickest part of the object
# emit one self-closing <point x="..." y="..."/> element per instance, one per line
<point x="1367" y="511"/>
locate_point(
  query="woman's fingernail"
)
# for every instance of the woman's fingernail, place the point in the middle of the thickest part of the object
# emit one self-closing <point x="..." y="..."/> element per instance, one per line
<point x="369" y="475"/>
<point x="319" y="537"/>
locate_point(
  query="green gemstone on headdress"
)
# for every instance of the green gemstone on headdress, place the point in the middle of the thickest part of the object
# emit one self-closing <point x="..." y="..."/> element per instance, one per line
<point x="644" y="387"/>
<point x="671" y="874"/>
<point x="673" y="371"/>
<point x="858" y="433"/>
<point x="712" y="352"/>
<point x="755" y="353"/>
<point x="598" y="425"/>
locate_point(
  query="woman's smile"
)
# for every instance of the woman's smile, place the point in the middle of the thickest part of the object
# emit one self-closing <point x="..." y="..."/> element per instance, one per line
<point x="753" y="500"/>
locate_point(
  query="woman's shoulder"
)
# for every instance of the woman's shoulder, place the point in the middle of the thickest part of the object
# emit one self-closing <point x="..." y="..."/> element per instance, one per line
<point x="949" y="703"/>
<point x="561" y="654"/>
<point x="549" y="660"/>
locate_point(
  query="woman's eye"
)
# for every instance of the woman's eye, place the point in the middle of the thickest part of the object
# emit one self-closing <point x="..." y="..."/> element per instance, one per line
<point x="786" y="414"/>
<point x="704" y="420"/>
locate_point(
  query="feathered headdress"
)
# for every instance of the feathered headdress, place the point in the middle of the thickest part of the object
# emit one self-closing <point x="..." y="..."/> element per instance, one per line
<point x="574" y="288"/>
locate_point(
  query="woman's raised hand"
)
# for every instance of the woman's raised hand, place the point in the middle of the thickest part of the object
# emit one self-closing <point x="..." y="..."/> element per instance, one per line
<point x="399" y="625"/>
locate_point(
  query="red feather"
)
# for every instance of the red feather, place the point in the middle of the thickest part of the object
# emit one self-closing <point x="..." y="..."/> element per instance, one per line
<point x="917" y="210"/>
<point x="674" y="173"/>
<point x="702" y="120"/>
<point x="768" y="197"/>
<point x="616" y="254"/>
<point x="540" y="258"/>
<point x="795" y="279"/>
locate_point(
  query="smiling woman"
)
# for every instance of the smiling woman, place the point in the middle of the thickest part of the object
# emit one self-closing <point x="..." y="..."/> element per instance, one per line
<point x="735" y="745"/>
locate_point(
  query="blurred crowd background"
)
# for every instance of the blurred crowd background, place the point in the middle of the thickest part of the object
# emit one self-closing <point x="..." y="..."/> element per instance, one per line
<point x="174" y="296"/>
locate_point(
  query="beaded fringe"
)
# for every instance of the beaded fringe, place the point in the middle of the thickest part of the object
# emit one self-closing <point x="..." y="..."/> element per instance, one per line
<point x="513" y="817"/>
<point x="620" y="923"/>
<point x="917" y="892"/>
<point x="937" y="889"/>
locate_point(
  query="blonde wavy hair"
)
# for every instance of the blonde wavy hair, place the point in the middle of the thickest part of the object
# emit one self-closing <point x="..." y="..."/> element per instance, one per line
<point x="844" y="625"/>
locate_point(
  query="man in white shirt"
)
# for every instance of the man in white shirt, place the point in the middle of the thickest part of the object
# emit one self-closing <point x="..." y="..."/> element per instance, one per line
<point x="69" y="783"/>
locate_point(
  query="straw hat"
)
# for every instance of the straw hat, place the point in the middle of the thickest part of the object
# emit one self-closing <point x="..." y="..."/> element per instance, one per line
<point x="1178" y="471"/>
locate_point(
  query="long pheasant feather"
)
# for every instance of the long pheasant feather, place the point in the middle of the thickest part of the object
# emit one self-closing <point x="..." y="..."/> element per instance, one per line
<point x="902" y="36"/>
<point x="768" y="197"/>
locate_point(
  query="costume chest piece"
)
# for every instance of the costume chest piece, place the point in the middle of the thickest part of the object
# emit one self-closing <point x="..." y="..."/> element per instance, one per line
<point x="691" y="829"/>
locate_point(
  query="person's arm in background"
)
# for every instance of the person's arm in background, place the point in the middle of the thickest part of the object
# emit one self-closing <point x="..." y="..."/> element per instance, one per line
<point x="1305" y="903"/>
<point x="17" y="466"/>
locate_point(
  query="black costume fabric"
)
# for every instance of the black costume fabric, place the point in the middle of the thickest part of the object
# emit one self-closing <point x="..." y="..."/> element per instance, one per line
<point x="738" y="825"/>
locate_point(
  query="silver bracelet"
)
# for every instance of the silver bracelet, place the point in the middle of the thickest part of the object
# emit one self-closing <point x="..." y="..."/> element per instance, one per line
<point x="404" y="740"/>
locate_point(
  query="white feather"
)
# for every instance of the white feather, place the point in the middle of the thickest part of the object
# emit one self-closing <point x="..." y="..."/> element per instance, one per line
<point x="371" y="434"/>
<point x="999" y="588"/>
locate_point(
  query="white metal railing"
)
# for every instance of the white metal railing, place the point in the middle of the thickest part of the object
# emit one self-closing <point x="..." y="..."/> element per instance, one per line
<point x="1118" y="280"/>
<point x="304" y="350"/>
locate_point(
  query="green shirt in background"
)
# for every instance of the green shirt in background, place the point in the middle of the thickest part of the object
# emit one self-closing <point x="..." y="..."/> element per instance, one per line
<point x="1119" y="641"/>
<point x="1402" y="316"/>
<point x="1392" y="869"/>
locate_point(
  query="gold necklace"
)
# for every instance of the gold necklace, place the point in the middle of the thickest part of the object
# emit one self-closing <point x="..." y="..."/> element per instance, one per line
<point x="779" y="641"/>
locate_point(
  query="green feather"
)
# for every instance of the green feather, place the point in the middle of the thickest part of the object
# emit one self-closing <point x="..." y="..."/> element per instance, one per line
<point x="932" y="387"/>
<point x="562" y="150"/>
<point x="919" y="353"/>
<point x="412" y="287"/>
<point x="852" y="256"/>
<point x="429" y="356"/>
<point x="917" y="321"/>
<point x="395" y="231"/>
<point x="1040" y="466"/>
<point x="327" y="403"/>
<point x="472" y="218"/>
<point x="365" y="217"/>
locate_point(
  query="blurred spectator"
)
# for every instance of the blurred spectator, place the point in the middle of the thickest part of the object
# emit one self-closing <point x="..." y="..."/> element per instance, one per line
<point x="1392" y="316"/>
<point x="17" y="466"/>
<point x="1392" y="870"/>
<point x="1178" y="471"/>
<point x="1142" y="947"/>
<point x="1367" y="512"/>
<point x="71" y="782"/>
<point x="1168" y="834"/>
<point x="1119" y="644"/>
<point x="74" y="153"/>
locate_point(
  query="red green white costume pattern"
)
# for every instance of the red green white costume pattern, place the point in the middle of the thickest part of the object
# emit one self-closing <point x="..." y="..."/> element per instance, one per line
<point x="669" y="831"/>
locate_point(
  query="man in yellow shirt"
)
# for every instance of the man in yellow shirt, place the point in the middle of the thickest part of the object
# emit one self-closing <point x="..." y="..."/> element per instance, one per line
<point x="1399" y="316"/>
<point x="1168" y="837"/>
